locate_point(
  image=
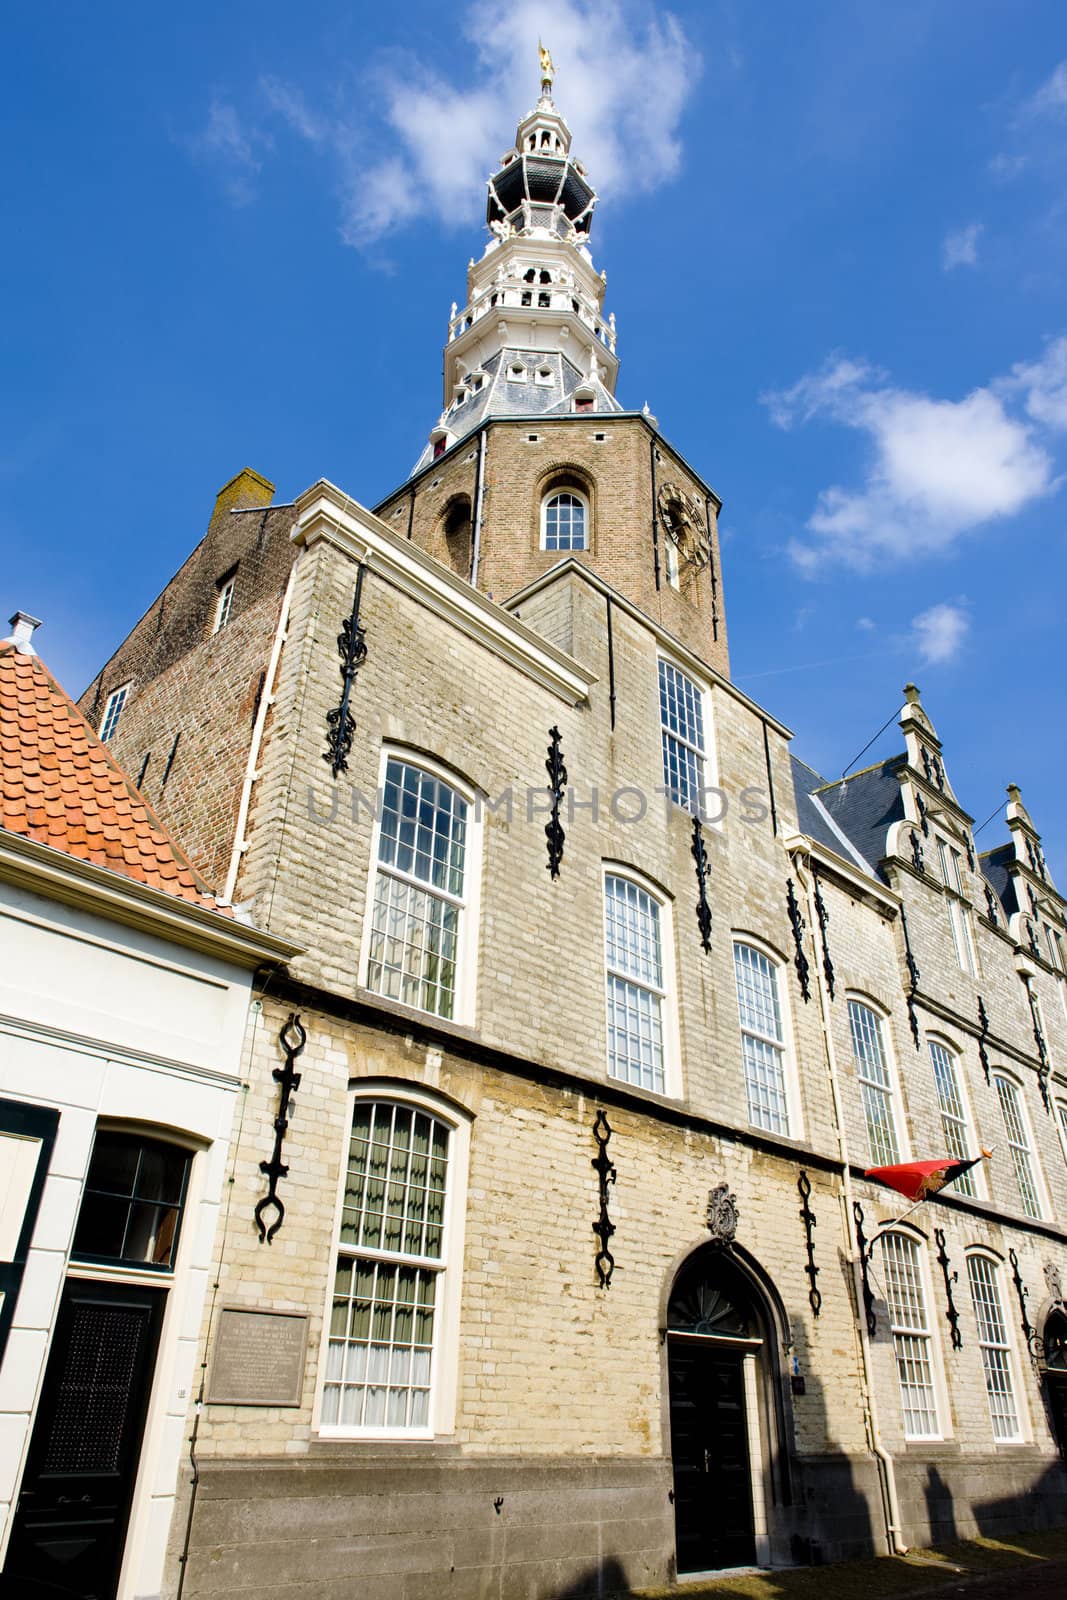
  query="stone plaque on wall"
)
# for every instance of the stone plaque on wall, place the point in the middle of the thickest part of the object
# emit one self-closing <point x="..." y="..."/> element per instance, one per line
<point x="258" y="1358"/>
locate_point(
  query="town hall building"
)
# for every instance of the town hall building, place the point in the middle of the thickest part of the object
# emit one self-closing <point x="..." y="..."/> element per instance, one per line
<point x="548" y="1265"/>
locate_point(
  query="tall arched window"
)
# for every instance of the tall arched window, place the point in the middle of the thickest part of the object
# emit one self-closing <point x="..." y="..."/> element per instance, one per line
<point x="1018" y="1132"/>
<point x="564" y="521"/>
<point x="637" y="968"/>
<point x="912" y="1343"/>
<point x="762" y="1039"/>
<point x="993" y="1342"/>
<point x="953" y="1111"/>
<point x="876" y="1084"/>
<point x="419" y="890"/>
<point x="395" y="1246"/>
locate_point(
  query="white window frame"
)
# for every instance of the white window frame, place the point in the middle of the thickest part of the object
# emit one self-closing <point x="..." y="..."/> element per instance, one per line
<point x="889" y="1091"/>
<point x="988" y="1342"/>
<point x="1060" y="1107"/>
<point x="113" y="709"/>
<point x="971" y="1183"/>
<point x="785" y="1044"/>
<point x="667" y="993"/>
<point x="587" y="522"/>
<point x="444" y="1358"/>
<point x="1026" y="1147"/>
<point x="959" y="910"/>
<point x="700" y="752"/>
<point x="224" y="603"/>
<point x="924" y="1332"/>
<point x="468" y="929"/>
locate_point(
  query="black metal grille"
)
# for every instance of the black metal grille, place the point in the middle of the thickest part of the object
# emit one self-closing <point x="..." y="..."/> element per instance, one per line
<point x="94" y="1396"/>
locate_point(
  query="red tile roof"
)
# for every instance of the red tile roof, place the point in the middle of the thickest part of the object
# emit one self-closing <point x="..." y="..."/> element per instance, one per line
<point x="61" y="786"/>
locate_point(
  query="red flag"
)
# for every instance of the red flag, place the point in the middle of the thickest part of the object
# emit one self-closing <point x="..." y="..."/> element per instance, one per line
<point x="917" y="1180"/>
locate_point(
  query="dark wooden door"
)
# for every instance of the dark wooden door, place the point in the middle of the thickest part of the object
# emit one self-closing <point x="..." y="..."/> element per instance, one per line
<point x="70" y="1525"/>
<point x="709" y="1448"/>
<point x="1057" y="1404"/>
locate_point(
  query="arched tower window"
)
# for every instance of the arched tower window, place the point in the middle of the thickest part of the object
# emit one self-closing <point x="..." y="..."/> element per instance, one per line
<point x="456" y="527"/>
<point x="564" y="521"/>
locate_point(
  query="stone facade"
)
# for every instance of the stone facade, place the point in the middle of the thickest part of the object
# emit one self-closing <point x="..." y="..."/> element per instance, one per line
<point x="608" y="1353"/>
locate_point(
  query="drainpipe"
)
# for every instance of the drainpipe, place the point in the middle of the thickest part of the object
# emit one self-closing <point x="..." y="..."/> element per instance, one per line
<point x="886" y="1464"/>
<point x="476" y="536"/>
<point x="266" y="700"/>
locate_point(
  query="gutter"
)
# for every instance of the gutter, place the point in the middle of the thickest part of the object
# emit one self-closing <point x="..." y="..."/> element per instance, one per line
<point x="266" y="700"/>
<point x="42" y="869"/>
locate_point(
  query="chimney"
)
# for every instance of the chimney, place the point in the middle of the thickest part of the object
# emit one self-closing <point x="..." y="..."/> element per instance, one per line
<point x="245" y="490"/>
<point x="22" y="630"/>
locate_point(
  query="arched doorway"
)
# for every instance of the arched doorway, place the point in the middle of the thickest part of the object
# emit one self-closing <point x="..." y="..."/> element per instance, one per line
<point x="1055" y="1343"/>
<point x="720" y="1349"/>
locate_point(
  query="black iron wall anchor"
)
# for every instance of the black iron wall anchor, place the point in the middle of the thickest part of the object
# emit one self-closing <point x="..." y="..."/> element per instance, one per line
<point x="557" y="783"/>
<point x="983" y="1023"/>
<point x="865" y="1265"/>
<point x="1044" y="1065"/>
<point x="824" y="920"/>
<point x="810" y="1224"/>
<point x="352" y="649"/>
<point x="700" y="856"/>
<point x="1023" y="1294"/>
<point x="603" y="1227"/>
<point x="913" y="979"/>
<point x="916" y="850"/>
<point x="951" y="1278"/>
<point x="797" y="923"/>
<point x="292" y="1039"/>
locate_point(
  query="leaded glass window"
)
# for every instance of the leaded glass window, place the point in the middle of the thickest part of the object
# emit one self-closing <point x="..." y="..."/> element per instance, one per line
<point x="953" y="1114"/>
<point x="682" y="724"/>
<point x="993" y="1343"/>
<point x="1019" y="1144"/>
<point x="635" y="984"/>
<point x="876" y="1085"/>
<point x="419" y="891"/>
<point x="389" y="1273"/>
<point x="910" y="1326"/>
<point x="762" y="1039"/>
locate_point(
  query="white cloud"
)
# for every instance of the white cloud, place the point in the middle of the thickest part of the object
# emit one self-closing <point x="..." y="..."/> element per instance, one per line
<point x="232" y="148"/>
<point x="1051" y="97"/>
<point x="1043" y="385"/>
<point x="936" y="470"/>
<point x="866" y="624"/>
<point x="427" y="141"/>
<point x="939" y="632"/>
<point x="960" y="249"/>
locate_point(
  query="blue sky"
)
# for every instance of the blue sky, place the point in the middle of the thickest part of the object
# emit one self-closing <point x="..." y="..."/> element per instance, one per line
<point x="835" y="239"/>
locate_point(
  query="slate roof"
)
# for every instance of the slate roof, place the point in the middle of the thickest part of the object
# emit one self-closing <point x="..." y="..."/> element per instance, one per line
<point x="60" y="786"/>
<point x="994" y="865"/>
<point x="500" y="397"/>
<point x="865" y="805"/>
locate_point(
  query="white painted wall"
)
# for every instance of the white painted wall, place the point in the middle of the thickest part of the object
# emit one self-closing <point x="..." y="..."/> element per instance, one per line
<point x="104" y="1022"/>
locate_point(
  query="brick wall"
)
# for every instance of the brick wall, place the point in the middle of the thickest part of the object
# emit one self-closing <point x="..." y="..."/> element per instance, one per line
<point x="611" y="460"/>
<point x="193" y="692"/>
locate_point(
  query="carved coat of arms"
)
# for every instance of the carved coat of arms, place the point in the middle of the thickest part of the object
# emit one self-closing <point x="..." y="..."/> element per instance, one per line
<point x="723" y="1215"/>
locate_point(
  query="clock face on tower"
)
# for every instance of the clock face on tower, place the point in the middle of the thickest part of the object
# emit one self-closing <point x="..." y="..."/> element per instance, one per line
<point x="685" y="524"/>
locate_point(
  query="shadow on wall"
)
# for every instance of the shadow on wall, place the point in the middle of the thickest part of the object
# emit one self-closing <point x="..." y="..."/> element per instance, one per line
<point x="831" y="1515"/>
<point x="607" y="1579"/>
<point x="1036" y="1506"/>
<point x="940" y="1508"/>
